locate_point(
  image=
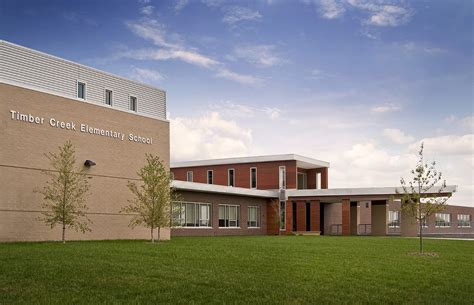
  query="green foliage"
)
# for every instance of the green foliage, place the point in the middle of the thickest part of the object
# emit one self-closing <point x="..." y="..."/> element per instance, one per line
<point x="64" y="194"/>
<point x="238" y="270"/>
<point x="418" y="200"/>
<point x="151" y="205"/>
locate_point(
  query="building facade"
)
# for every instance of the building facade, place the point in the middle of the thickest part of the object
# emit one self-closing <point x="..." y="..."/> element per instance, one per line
<point x="46" y="101"/>
<point x="114" y="122"/>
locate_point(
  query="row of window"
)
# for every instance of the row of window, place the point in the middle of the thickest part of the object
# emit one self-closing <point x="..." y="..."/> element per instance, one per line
<point x="442" y="220"/>
<point x="231" y="177"/>
<point x="108" y="96"/>
<point x="193" y="214"/>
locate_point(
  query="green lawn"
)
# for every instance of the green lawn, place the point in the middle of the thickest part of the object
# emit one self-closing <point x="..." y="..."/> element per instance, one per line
<point x="244" y="270"/>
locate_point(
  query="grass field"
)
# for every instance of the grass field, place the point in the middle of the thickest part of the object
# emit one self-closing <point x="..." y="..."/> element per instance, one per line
<point x="244" y="270"/>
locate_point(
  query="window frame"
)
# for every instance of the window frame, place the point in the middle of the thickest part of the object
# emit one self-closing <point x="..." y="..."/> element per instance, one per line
<point x="227" y="220"/>
<point x="394" y="219"/>
<point x="282" y="178"/>
<point x="445" y="224"/>
<point x="233" y="177"/>
<point x="196" y="215"/>
<point x="111" y="96"/>
<point x="282" y="215"/>
<point x="305" y="180"/>
<point x="212" y="176"/>
<point x="258" y="215"/>
<point x="187" y="176"/>
<point x="84" y="90"/>
<point x="130" y="103"/>
<point x="468" y="221"/>
<point x="251" y="178"/>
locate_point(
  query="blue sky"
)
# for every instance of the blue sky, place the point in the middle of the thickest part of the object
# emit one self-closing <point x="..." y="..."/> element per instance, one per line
<point x="355" y="82"/>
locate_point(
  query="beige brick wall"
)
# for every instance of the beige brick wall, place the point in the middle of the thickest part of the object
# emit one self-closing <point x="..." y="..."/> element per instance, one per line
<point x="22" y="149"/>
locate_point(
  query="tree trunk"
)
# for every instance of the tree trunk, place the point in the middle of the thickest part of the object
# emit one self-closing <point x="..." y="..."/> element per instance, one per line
<point x="152" y="236"/>
<point x="421" y="236"/>
<point x="158" y="233"/>
<point x="64" y="233"/>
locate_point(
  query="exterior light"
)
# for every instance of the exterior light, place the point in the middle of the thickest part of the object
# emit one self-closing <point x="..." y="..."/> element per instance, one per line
<point x="89" y="163"/>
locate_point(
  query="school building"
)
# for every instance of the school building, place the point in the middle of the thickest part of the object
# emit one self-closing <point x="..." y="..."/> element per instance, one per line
<point x="113" y="122"/>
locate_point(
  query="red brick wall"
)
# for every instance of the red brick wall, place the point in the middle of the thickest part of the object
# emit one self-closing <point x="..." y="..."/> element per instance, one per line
<point x="315" y="215"/>
<point x="273" y="217"/>
<point x="311" y="176"/>
<point x="346" y="217"/>
<point x="301" y="215"/>
<point x="267" y="174"/>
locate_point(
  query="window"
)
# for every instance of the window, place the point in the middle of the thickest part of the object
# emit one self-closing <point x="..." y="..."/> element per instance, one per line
<point x="133" y="103"/>
<point x="108" y="97"/>
<point x="318" y="181"/>
<point x="189" y="176"/>
<point x="282" y="177"/>
<point x="253" y="178"/>
<point x="394" y="219"/>
<point x="230" y="177"/>
<point x="424" y="223"/>
<point x="442" y="220"/>
<point x="302" y="181"/>
<point x="282" y="215"/>
<point x="210" y="178"/>
<point x="81" y="90"/>
<point x="253" y="217"/>
<point x="229" y="216"/>
<point x="464" y="221"/>
<point x="191" y="214"/>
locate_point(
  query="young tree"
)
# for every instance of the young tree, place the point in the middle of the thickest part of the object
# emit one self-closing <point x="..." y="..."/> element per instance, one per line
<point x="151" y="205"/>
<point x="418" y="200"/>
<point x="65" y="192"/>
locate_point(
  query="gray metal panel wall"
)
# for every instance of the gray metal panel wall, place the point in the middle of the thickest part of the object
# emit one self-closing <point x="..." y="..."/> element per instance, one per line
<point x="39" y="70"/>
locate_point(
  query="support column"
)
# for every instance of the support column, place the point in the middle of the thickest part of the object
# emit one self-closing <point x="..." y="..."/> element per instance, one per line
<point x="355" y="218"/>
<point x="289" y="217"/>
<point x="346" y="217"/>
<point x="273" y="217"/>
<point x="379" y="217"/>
<point x="301" y="215"/>
<point x="315" y="215"/>
<point x="324" y="178"/>
<point x="408" y="225"/>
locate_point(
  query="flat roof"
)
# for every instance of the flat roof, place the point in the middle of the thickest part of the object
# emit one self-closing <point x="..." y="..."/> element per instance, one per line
<point x="221" y="189"/>
<point x="303" y="162"/>
<point x="362" y="191"/>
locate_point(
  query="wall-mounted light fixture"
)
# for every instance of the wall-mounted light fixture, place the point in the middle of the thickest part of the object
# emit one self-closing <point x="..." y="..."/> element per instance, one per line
<point x="89" y="163"/>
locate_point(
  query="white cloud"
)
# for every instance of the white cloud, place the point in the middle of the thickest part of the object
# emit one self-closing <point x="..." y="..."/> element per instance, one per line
<point x="385" y="108"/>
<point x="147" y="10"/>
<point x="380" y="13"/>
<point x="468" y="122"/>
<point x="180" y="4"/>
<point x="208" y="136"/>
<point x="331" y="9"/>
<point x="237" y="77"/>
<point x="237" y="14"/>
<point x="172" y="47"/>
<point x="146" y="75"/>
<point x="452" y="145"/>
<point x="234" y="110"/>
<point x="414" y="47"/>
<point x="259" y="55"/>
<point x="397" y="136"/>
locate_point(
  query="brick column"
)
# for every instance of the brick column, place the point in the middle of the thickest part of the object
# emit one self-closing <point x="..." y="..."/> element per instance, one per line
<point x="315" y="215"/>
<point x="346" y="217"/>
<point x="301" y="215"/>
<point x="324" y="178"/>
<point x="273" y="217"/>
<point x="289" y="217"/>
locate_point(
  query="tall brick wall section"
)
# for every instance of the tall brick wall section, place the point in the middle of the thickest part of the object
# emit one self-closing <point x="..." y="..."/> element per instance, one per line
<point x="346" y="217"/>
<point x="301" y="215"/>
<point x="289" y="217"/>
<point x="267" y="174"/>
<point x="311" y="174"/>
<point x="315" y="215"/>
<point x="273" y="217"/>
